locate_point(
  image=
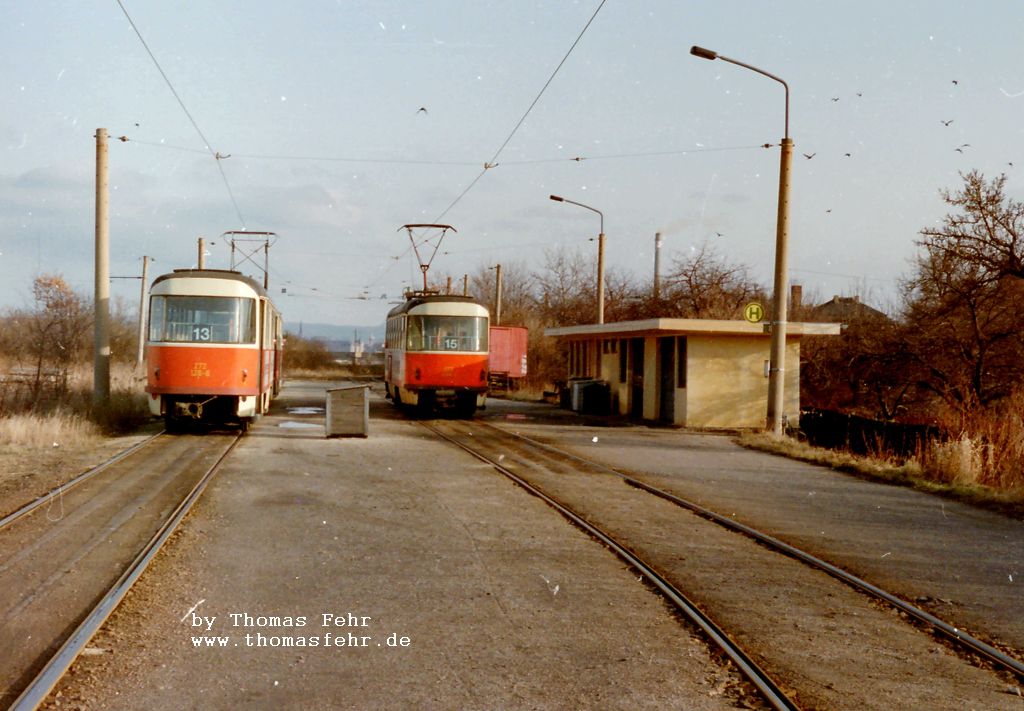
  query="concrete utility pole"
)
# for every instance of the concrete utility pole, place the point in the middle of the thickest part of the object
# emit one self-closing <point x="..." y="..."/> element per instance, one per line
<point x="777" y="364"/>
<point x="201" y="262"/>
<point x="143" y="309"/>
<point x="600" y="273"/>
<point x="101" y="304"/>
<point x="497" y="295"/>
<point x="465" y="284"/>
<point x="657" y="265"/>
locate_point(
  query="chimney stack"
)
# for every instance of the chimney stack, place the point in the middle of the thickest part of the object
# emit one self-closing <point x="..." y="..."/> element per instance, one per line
<point x="796" y="292"/>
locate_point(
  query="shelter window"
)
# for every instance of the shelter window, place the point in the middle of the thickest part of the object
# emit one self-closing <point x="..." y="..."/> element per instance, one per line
<point x="447" y="333"/>
<point x="202" y="319"/>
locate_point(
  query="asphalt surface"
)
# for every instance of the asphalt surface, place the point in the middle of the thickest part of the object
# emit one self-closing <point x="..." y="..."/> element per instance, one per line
<point x="961" y="563"/>
<point x="446" y="585"/>
<point x="452" y="588"/>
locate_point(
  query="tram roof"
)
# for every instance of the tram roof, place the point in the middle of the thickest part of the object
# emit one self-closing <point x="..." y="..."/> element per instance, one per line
<point x="419" y="299"/>
<point x="227" y="274"/>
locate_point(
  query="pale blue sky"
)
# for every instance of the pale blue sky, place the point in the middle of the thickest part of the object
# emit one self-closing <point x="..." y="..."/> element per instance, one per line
<point x="289" y="90"/>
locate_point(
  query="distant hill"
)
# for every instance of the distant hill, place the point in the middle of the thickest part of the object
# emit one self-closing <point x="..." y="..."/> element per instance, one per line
<point x="331" y="332"/>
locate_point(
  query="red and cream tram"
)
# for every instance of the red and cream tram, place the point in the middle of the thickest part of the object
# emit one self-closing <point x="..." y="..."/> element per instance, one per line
<point x="436" y="353"/>
<point x="213" y="348"/>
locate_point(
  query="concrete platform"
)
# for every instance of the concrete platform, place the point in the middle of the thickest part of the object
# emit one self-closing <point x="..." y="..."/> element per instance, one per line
<point x="387" y="572"/>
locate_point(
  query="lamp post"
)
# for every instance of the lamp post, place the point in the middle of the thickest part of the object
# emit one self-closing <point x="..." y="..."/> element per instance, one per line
<point x="600" y="255"/>
<point x="777" y="364"/>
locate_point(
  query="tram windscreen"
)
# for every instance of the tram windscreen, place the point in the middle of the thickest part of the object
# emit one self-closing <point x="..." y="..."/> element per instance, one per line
<point x="447" y="333"/>
<point x="202" y="319"/>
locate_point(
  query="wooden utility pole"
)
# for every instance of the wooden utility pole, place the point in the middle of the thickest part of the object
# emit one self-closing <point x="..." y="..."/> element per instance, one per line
<point x="201" y="263"/>
<point x="101" y="341"/>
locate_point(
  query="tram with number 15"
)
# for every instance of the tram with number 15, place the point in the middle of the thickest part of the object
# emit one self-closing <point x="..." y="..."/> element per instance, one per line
<point x="435" y="353"/>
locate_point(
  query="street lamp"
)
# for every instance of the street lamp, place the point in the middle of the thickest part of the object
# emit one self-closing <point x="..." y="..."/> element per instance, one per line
<point x="600" y="255"/>
<point x="777" y="364"/>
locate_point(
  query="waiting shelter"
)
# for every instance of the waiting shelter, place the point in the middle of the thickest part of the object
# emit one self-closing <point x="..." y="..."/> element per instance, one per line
<point x="701" y="373"/>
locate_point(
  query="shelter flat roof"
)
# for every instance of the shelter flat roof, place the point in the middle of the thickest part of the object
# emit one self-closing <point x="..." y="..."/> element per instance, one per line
<point x="689" y="326"/>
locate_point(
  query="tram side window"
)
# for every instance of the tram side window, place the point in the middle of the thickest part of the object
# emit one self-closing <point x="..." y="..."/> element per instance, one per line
<point x="202" y="319"/>
<point x="447" y="333"/>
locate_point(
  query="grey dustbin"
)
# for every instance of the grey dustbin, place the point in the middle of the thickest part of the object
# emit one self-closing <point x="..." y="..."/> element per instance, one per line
<point x="348" y="411"/>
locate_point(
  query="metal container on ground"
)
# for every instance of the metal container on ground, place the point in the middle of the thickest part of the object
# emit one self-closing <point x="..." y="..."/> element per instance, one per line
<point x="348" y="411"/>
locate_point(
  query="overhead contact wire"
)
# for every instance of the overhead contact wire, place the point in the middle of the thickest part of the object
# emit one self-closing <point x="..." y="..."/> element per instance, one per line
<point x="213" y="154"/>
<point x="493" y="161"/>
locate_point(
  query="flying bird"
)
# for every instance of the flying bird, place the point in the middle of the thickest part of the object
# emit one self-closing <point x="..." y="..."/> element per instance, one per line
<point x="835" y="98"/>
<point x="859" y="94"/>
<point x="829" y="210"/>
<point x="421" y="110"/>
<point x="848" y="155"/>
<point x="946" y="123"/>
<point x="956" y="82"/>
<point x="808" y="156"/>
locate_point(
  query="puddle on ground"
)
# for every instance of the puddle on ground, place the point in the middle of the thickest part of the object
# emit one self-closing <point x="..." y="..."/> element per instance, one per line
<point x="305" y="410"/>
<point x="513" y="416"/>
<point x="299" y="425"/>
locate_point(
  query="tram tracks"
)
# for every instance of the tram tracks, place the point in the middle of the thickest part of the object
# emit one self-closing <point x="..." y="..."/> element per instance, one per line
<point x="565" y="480"/>
<point x="64" y="572"/>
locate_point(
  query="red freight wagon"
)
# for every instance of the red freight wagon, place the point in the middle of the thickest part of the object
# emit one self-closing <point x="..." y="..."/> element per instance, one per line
<point x="508" y="354"/>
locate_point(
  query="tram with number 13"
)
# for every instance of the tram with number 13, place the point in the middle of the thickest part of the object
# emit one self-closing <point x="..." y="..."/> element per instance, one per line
<point x="213" y="349"/>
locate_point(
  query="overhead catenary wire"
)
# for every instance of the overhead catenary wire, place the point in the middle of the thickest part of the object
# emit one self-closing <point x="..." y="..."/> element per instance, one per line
<point x="493" y="162"/>
<point x="213" y="154"/>
<point x="461" y="163"/>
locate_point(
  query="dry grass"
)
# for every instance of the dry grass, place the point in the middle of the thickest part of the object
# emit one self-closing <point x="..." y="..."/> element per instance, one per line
<point x="950" y="469"/>
<point x="48" y="431"/>
<point x="60" y="412"/>
<point x="526" y="393"/>
<point x="336" y="371"/>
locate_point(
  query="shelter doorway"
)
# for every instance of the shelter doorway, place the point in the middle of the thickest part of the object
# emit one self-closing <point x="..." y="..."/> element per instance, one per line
<point x="636" y="364"/>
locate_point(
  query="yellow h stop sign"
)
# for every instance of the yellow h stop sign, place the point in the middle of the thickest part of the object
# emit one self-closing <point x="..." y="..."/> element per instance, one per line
<point x="753" y="312"/>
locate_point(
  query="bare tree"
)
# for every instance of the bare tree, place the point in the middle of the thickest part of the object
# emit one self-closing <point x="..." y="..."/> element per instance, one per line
<point x="986" y="232"/>
<point x="705" y="285"/>
<point x="52" y="335"/>
<point x="566" y="291"/>
<point x="965" y="303"/>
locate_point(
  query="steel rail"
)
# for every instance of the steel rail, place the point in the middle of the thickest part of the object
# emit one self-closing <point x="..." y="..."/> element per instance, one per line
<point x="757" y="676"/>
<point x="44" y="682"/>
<point x="69" y="485"/>
<point x="957" y="635"/>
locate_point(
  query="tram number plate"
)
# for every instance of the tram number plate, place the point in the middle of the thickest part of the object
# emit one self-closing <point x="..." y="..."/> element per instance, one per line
<point x="450" y="344"/>
<point x="202" y="333"/>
